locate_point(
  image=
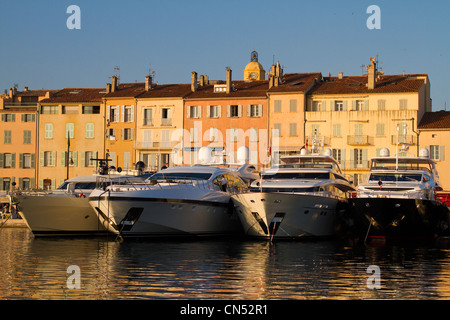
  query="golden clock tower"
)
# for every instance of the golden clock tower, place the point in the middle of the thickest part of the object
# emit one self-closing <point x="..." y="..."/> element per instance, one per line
<point x="254" y="70"/>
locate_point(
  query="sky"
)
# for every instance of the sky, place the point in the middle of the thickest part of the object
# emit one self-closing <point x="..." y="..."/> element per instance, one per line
<point x="174" y="38"/>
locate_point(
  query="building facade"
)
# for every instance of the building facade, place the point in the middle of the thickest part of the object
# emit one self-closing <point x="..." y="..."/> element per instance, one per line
<point x="18" y="138"/>
<point x="228" y="119"/>
<point x="159" y="124"/>
<point x="120" y="104"/>
<point x="71" y="133"/>
<point x="356" y="116"/>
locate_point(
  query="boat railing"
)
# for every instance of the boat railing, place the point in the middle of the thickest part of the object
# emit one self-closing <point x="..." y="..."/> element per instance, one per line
<point x="409" y="194"/>
<point x="126" y="184"/>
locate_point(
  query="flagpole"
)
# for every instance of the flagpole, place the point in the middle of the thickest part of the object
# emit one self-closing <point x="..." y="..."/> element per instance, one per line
<point x="68" y="152"/>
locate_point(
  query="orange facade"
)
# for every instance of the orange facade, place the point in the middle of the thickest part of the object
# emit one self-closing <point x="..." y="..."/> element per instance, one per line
<point x="233" y="125"/>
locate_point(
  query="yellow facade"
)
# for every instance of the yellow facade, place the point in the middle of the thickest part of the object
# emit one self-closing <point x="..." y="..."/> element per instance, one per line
<point x="159" y="125"/>
<point x="120" y="107"/>
<point x="70" y="134"/>
<point x="356" y="126"/>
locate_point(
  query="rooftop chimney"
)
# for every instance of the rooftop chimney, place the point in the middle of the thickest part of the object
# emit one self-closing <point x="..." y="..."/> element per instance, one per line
<point x="114" y="84"/>
<point x="193" y="81"/>
<point x="228" y="80"/>
<point x="372" y="74"/>
<point x="202" y="80"/>
<point x="108" y="87"/>
<point x="148" y="83"/>
<point x="340" y="75"/>
<point x="25" y="89"/>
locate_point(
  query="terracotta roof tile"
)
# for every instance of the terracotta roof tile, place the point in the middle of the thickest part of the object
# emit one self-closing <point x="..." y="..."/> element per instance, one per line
<point x="240" y="89"/>
<point x="127" y="90"/>
<point x="166" y="91"/>
<point x="435" y="120"/>
<point x="295" y="82"/>
<point x="357" y="84"/>
<point x="74" y="95"/>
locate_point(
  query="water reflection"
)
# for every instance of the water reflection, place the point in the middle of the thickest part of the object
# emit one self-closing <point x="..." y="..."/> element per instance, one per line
<point x="36" y="268"/>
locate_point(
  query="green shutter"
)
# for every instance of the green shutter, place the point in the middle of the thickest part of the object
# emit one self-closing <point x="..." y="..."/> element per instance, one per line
<point x="20" y="160"/>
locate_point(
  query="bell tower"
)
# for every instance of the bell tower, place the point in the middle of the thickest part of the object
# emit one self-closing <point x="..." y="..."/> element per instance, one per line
<point x="254" y="70"/>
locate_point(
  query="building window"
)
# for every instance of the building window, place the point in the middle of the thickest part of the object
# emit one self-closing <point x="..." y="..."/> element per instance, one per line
<point x="214" y="111"/>
<point x="70" y="129"/>
<point x="27" y="137"/>
<point x="91" y="110"/>
<point x="28" y="118"/>
<point x="89" y="130"/>
<point x="381" y="105"/>
<point x="337" y="130"/>
<point x="127" y="134"/>
<point x="48" y="131"/>
<point x="112" y="113"/>
<point x="7" y="160"/>
<point x="437" y="152"/>
<point x="403" y="104"/>
<point x="276" y="130"/>
<point x="88" y="155"/>
<point x="111" y="134"/>
<point x="293" y="106"/>
<point x="48" y="158"/>
<point x="339" y="105"/>
<point x="69" y="109"/>
<point x="49" y="110"/>
<point x="26" y="160"/>
<point x="359" y="105"/>
<point x="254" y="110"/>
<point x="7" y="137"/>
<point x="277" y="106"/>
<point x="380" y="130"/>
<point x="234" y="111"/>
<point x="316" y="106"/>
<point x="166" y="118"/>
<point x="293" y="129"/>
<point x="194" y="111"/>
<point x="148" y="117"/>
<point x="8" y="117"/>
<point x="128" y="114"/>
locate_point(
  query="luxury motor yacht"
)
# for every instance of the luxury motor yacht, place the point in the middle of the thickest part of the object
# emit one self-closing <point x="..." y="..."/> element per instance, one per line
<point x="177" y="201"/>
<point x="66" y="210"/>
<point x="399" y="199"/>
<point x="301" y="197"/>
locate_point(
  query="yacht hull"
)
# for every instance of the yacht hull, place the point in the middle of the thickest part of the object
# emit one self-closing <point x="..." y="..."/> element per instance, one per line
<point x="279" y="215"/>
<point x="397" y="218"/>
<point x="59" y="215"/>
<point x="165" y="216"/>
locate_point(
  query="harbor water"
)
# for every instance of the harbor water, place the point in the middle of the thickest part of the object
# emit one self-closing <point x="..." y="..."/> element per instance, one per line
<point x="233" y="269"/>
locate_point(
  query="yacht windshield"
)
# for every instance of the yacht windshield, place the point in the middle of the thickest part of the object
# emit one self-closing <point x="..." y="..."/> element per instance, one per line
<point x="180" y="176"/>
<point x="395" y="177"/>
<point x="78" y="185"/>
<point x="297" y="175"/>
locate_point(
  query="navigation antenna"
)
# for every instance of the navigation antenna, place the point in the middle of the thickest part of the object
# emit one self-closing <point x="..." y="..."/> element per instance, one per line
<point x="151" y="73"/>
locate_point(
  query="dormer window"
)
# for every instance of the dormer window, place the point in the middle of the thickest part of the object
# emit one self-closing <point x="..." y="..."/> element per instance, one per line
<point x="220" y="88"/>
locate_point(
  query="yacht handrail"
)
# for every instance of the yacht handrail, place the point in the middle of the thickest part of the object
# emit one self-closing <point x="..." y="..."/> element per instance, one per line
<point x="124" y="184"/>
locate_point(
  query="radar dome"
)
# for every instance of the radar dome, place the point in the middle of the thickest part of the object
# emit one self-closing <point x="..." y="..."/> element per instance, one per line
<point x="242" y="154"/>
<point x="205" y="154"/>
<point x="424" y="153"/>
<point x="384" y="152"/>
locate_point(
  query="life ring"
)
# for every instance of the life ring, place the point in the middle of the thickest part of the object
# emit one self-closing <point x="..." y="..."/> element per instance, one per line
<point x="82" y="195"/>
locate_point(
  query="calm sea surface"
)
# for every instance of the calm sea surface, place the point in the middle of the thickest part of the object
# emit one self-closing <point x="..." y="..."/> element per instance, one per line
<point x="37" y="268"/>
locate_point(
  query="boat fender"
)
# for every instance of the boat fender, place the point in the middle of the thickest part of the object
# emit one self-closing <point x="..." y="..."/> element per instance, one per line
<point x="82" y="195"/>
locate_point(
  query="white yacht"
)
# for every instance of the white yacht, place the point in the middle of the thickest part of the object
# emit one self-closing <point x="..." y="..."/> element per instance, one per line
<point x="300" y="198"/>
<point x="65" y="210"/>
<point x="399" y="199"/>
<point x="177" y="201"/>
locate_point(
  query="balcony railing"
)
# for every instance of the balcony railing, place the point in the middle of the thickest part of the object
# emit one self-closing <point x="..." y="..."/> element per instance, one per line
<point x="140" y="144"/>
<point x="166" y="122"/>
<point x="325" y="139"/>
<point x="354" y="164"/>
<point x="409" y="139"/>
<point x="358" y="140"/>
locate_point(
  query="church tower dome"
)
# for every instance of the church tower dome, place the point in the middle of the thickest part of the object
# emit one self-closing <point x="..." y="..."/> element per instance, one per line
<point x="254" y="70"/>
